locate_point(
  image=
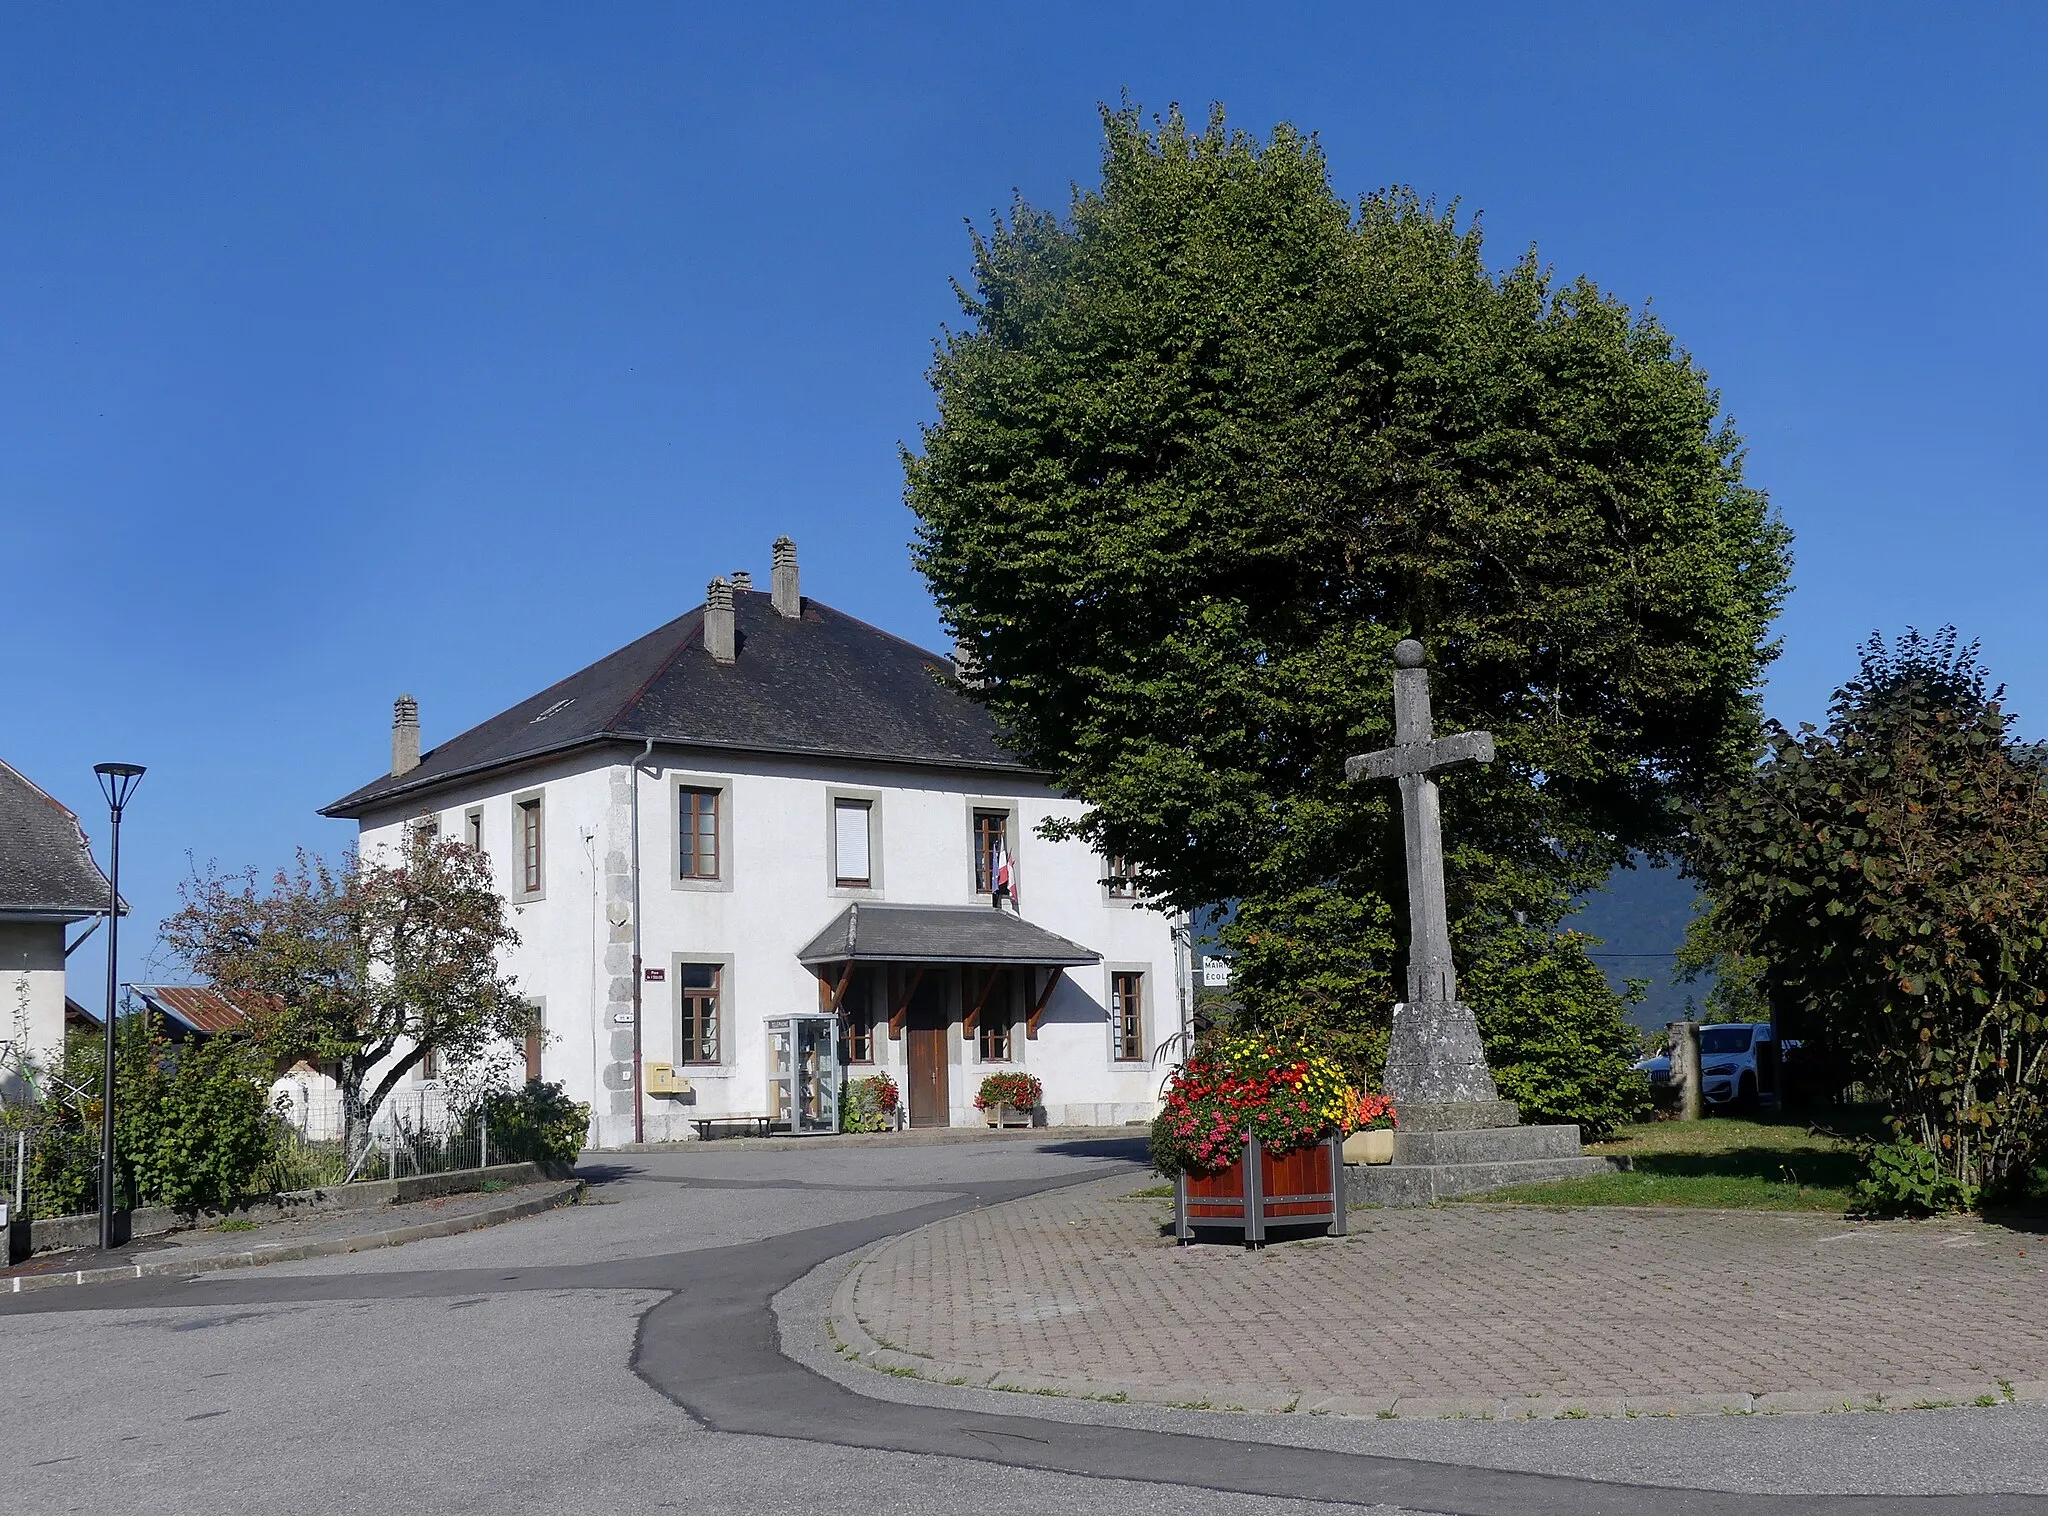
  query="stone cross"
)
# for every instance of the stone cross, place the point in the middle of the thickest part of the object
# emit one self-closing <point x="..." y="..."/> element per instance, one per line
<point x="1435" y="1057"/>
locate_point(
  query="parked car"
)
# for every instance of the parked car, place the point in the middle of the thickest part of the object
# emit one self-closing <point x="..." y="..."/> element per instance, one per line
<point x="1738" y="1063"/>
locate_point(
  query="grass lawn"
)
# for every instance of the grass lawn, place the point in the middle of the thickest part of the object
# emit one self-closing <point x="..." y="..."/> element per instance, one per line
<point x="1721" y="1163"/>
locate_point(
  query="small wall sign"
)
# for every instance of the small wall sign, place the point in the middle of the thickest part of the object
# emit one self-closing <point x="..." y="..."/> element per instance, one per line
<point x="656" y="975"/>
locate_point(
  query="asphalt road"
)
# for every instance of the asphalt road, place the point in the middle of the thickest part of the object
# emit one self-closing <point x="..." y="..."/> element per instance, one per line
<point x="627" y="1356"/>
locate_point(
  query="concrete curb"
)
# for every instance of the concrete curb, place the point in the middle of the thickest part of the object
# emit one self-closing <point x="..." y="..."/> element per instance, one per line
<point x="83" y="1231"/>
<point x="855" y="1344"/>
<point x="325" y="1247"/>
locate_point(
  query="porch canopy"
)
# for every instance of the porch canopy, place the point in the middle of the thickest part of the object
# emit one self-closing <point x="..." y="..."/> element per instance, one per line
<point x="877" y="932"/>
<point x="977" y="937"/>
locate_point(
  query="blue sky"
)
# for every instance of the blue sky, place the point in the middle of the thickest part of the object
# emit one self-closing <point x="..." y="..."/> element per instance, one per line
<point x="362" y="349"/>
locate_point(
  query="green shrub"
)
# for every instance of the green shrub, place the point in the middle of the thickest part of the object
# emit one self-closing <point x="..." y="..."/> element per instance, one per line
<point x="536" y="1124"/>
<point x="63" y="1167"/>
<point x="193" y="1129"/>
<point x="1903" y="1178"/>
<point x="868" y="1105"/>
<point x="1315" y="968"/>
<point x="1890" y="872"/>
<point x="1556" y="1034"/>
<point x="202" y="1132"/>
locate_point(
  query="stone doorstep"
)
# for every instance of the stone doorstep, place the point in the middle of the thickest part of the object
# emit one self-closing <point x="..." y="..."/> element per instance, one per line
<point x="325" y="1247"/>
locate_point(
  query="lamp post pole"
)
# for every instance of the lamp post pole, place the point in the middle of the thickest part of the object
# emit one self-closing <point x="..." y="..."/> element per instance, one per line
<point x="117" y="782"/>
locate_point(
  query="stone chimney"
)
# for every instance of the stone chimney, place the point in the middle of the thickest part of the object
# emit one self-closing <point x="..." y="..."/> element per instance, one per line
<point x="742" y="579"/>
<point x="405" y="735"/>
<point x="788" y="600"/>
<point x="720" y="641"/>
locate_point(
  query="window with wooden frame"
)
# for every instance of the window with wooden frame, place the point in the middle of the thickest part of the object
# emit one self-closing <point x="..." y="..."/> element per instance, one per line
<point x="535" y="1039"/>
<point x="698" y="994"/>
<point x="992" y="1031"/>
<point x="1122" y="882"/>
<point x="473" y="828"/>
<point x="697" y="854"/>
<point x="526" y="831"/>
<point x="853" y="865"/>
<point x="860" y="1022"/>
<point x="991" y="843"/>
<point x="1127" y="1015"/>
<point x="429" y="1066"/>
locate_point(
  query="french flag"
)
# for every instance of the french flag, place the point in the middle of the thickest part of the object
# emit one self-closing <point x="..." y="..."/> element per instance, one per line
<point x="1005" y="880"/>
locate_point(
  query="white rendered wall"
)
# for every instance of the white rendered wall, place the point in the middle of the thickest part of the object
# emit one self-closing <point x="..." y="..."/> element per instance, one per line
<point x="776" y="893"/>
<point x="32" y="990"/>
<point x="560" y="957"/>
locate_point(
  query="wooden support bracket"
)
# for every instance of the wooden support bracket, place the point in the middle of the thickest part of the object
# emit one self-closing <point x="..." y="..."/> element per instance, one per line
<point x="1038" y="1005"/>
<point x="900" y="1006"/>
<point x="972" y="1022"/>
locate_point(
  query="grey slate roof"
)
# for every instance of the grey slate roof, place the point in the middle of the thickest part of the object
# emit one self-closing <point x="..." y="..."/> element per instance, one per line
<point x="876" y="931"/>
<point x="822" y="684"/>
<point x="46" y="868"/>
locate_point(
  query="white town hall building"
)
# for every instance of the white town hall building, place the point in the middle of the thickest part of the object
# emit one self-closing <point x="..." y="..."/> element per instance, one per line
<point x="775" y="809"/>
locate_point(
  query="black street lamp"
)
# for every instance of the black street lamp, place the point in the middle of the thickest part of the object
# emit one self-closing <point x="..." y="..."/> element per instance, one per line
<point x="117" y="782"/>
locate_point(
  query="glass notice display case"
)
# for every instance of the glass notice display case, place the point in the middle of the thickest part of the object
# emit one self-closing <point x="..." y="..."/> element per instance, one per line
<point x="803" y="1074"/>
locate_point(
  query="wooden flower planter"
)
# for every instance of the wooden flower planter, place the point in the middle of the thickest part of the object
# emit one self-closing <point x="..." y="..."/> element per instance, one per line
<point x="1259" y="1191"/>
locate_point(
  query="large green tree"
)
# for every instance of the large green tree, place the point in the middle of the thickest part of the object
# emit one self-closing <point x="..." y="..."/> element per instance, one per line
<point x="1888" y="877"/>
<point x="1212" y="441"/>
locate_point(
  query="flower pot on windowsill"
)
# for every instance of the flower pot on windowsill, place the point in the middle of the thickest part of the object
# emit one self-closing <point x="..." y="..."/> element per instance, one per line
<point x="1370" y="1147"/>
<point x="1006" y="1116"/>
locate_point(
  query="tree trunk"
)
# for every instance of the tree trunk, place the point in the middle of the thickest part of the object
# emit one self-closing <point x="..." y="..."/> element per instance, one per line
<point x="355" y="1120"/>
<point x="1685" y="1068"/>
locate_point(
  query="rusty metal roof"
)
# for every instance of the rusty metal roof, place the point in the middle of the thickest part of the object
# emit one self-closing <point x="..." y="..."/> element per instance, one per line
<point x="199" y="1007"/>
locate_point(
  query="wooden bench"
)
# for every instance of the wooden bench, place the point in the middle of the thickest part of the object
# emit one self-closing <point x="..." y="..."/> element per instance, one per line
<point x="704" y="1124"/>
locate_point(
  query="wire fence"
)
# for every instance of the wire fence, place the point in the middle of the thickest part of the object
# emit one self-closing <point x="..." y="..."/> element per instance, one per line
<point x="413" y="1132"/>
<point x="50" y="1171"/>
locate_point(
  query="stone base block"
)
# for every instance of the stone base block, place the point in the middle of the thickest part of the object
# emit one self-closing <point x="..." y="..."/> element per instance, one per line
<point x="1419" y="1184"/>
<point x="1456" y="1116"/>
<point x="1513" y="1144"/>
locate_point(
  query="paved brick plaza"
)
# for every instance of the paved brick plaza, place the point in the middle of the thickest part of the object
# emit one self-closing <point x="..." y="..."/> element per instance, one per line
<point x="1465" y="1310"/>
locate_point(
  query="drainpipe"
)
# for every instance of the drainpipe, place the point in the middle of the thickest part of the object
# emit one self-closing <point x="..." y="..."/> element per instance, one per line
<point x="639" y="1119"/>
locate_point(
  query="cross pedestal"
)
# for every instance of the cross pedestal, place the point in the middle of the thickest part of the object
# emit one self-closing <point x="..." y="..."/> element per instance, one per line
<point x="1455" y="1134"/>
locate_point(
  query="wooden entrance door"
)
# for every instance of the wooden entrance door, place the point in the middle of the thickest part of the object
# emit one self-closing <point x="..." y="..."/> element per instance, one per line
<point x="928" y="1029"/>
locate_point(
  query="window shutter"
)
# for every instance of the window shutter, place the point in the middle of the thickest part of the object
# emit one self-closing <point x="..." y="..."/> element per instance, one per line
<point x="851" y="839"/>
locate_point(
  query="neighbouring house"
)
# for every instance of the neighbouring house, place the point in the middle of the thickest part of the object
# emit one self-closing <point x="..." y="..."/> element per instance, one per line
<point x="304" y="1093"/>
<point x="767" y="808"/>
<point x="48" y="884"/>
